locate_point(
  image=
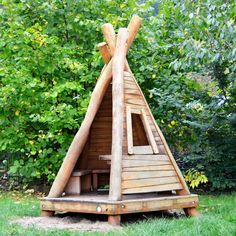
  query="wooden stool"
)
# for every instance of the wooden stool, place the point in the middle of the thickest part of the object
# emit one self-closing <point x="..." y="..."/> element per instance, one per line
<point x="74" y="184"/>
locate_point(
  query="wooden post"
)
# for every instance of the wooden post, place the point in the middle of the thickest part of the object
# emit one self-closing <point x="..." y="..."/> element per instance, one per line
<point x="106" y="55"/>
<point x="192" y="211"/>
<point x="80" y="138"/>
<point x="114" y="220"/>
<point x="117" y="114"/>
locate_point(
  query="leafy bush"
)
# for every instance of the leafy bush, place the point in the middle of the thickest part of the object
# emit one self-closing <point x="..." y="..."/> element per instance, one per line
<point x="49" y="65"/>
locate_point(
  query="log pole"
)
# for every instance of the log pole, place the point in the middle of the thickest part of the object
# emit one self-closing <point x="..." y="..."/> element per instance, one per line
<point x="110" y="36"/>
<point x="117" y="114"/>
<point x="80" y="138"/>
<point x="133" y="27"/>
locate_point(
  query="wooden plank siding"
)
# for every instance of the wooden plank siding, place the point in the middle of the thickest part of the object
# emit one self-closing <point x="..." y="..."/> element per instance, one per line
<point x="155" y="188"/>
<point x="100" y="134"/>
<point x="145" y="173"/>
<point x="135" y="100"/>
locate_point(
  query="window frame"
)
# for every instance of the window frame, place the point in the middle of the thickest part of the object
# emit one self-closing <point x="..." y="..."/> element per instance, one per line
<point x="147" y="149"/>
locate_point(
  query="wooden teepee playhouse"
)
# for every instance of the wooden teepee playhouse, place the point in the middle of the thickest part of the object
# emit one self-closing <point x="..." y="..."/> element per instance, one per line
<point x="119" y="146"/>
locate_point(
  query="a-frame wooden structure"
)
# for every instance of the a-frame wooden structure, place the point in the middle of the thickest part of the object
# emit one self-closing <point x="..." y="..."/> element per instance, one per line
<point x="119" y="145"/>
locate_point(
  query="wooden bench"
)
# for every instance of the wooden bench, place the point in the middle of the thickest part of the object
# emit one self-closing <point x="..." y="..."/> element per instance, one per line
<point x="74" y="185"/>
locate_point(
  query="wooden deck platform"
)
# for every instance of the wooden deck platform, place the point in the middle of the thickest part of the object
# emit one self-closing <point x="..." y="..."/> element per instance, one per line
<point x="99" y="204"/>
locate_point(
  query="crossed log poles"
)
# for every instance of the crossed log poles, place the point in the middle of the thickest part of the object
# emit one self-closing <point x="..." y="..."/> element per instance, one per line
<point x="114" y="55"/>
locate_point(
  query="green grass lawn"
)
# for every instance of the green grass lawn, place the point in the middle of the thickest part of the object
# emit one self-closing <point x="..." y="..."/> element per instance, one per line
<point x="218" y="217"/>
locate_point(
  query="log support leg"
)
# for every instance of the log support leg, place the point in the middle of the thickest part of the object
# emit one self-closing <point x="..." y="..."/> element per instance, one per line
<point x="192" y="211"/>
<point x="95" y="181"/>
<point x="114" y="220"/>
<point x="47" y="213"/>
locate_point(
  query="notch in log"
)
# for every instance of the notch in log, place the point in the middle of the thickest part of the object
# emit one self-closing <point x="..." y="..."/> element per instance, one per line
<point x="110" y="36"/>
<point x="106" y="55"/>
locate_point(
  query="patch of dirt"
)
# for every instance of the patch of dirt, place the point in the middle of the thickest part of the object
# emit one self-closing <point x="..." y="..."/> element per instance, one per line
<point x="67" y="222"/>
<point x="89" y="222"/>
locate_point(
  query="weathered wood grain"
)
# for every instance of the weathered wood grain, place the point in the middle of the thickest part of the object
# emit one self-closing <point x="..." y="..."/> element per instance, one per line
<point x="148" y="168"/>
<point x="145" y="174"/>
<point x="129" y="130"/>
<point x="117" y="114"/>
<point x="89" y="205"/>
<point x="155" y="188"/>
<point x="138" y="163"/>
<point x="135" y="183"/>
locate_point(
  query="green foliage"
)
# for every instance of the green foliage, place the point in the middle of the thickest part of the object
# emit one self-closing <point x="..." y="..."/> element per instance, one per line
<point x="194" y="178"/>
<point x="49" y="64"/>
<point x="48" y="67"/>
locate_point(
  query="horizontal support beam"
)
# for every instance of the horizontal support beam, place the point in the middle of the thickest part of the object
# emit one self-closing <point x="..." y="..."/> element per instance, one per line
<point x="119" y="207"/>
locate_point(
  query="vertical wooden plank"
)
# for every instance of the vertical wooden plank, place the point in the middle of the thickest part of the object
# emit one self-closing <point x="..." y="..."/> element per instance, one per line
<point x="117" y="114"/>
<point x="74" y="185"/>
<point x="86" y="182"/>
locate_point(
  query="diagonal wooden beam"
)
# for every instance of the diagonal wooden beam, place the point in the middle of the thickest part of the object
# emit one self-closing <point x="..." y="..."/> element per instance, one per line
<point x="117" y="114"/>
<point x="133" y="27"/>
<point x="110" y="36"/>
<point x="80" y="138"/>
